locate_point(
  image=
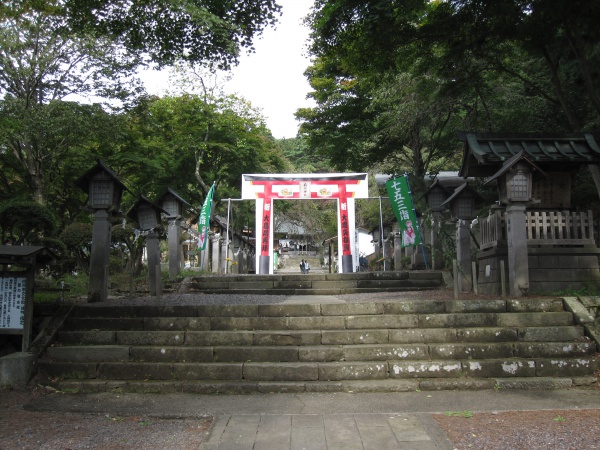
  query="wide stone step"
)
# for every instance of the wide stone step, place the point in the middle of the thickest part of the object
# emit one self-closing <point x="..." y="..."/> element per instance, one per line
<point x="325" y="371"/>
<point x="319" y="283"/>
<point x="334" y="336"/>
<point x="327" y="309"/>
<point x="210" y="387"/>
<point x="319" y="353"/>
<point x="278" y="320"/>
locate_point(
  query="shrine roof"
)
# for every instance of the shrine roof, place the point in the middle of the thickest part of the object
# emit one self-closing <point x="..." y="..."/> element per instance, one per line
<point x="18" y="254"/>
<point x="485" y="153"/>
<point x="462" y="189"/>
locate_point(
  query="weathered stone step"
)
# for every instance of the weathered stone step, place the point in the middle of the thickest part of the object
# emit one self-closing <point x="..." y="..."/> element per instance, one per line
<point x="319" y="353"/>
<point x="253" y="387"/>
<point x="338" y="322"/>
<point x="318" y="283"/>
<point x="376" y="346"/>
<point x="423" y="306"/>
<point x="323" y="336"/>
<point x="325" y="371"/>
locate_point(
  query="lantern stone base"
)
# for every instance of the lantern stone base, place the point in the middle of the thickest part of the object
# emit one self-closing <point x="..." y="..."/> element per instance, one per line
<point x="551" y="269"/>
<point x="17" y="368"/>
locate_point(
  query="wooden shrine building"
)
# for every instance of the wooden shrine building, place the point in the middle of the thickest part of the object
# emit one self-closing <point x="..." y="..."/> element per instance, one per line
<point x="545" y="245"/>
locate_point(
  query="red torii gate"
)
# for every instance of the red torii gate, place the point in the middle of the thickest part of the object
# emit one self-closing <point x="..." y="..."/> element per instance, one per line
<point x="344" y="187"/>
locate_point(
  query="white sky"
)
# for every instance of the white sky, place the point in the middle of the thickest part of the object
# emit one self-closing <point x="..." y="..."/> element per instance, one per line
<point x="271" y="78"/>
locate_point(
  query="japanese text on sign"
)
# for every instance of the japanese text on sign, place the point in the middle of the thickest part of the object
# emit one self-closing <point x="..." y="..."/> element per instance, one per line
<point x="12" y="302"/>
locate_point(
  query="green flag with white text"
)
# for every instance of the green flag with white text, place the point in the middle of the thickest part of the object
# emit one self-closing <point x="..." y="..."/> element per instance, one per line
<point x="204" y="219"/>
<point x="402" y="204"/>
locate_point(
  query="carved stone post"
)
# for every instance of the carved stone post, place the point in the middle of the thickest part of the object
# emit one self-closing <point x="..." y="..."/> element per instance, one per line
<point x="214" y="240"/>
<point x="224" y="256"/>
<point x="518" y="263"/>
<point x="101" y="232"/>
<point x="463" y="255"/>
<point x="174" y="237"/>
<point x="153" y="263"/>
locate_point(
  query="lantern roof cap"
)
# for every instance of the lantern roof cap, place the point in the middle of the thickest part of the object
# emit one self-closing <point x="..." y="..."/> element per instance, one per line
<point x="174" y="194"/>
<point x="463" y="188"/>
<point x="84" y="181"/>
<point x="132" y="213"/>
<point x="513" y="161"/>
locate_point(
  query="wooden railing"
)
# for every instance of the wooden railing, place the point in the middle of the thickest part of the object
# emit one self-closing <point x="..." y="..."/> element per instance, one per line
<point x="555" y="228"/>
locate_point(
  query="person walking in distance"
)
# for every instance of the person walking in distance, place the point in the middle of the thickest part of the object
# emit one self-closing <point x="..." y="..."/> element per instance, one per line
<point x="302" y="266"/>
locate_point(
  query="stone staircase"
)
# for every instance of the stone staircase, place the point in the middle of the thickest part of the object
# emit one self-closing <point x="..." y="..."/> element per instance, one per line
<point x="317" y="283"/>
<point x="328" y="347"/>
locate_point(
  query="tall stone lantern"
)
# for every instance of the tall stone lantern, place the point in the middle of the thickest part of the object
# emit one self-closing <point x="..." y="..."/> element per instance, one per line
<point x="515" y="191"/>
<point x="172" y="203"/>
<point x="462" y="204"/>
<point x="435" y="196"/>
<point x="147" y="215"/>
<point x="104" y="200"/>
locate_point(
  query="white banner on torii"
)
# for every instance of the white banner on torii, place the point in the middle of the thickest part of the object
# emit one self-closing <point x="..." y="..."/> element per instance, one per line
<point x="344" y="187"/>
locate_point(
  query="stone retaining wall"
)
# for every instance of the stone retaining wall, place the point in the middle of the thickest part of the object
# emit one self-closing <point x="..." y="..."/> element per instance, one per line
<point x="551" y="270"/>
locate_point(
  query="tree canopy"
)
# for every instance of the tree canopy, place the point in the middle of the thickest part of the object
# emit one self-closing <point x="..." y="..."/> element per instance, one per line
<point x="412" y="72"/>
<point x="52" y="49"/>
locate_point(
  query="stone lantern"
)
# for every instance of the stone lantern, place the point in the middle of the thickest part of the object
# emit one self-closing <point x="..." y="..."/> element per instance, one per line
<point x="435" y="196"/>
<point x="462" y="204"/>
<point x="515" y="191"/>
<point x="515" y="180"/>
<point x="148" y="217"/>
<point x="104" y="199"/>
<point x="172" y="203"/>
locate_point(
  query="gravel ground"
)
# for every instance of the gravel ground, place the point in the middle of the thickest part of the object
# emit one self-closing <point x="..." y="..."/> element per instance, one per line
<point x="21" y="429"/>
<point x="236" y="299"/>
<point x="527" y="430"/>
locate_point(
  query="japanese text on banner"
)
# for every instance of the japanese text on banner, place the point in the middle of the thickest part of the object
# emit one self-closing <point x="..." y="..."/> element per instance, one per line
<point x="402" y="204"/>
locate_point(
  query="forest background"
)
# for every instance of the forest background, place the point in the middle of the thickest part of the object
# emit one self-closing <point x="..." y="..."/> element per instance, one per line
<point x="392" y="83"/>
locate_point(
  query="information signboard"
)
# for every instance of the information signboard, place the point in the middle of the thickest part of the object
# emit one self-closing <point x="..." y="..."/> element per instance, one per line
<point x="13" y="290"/>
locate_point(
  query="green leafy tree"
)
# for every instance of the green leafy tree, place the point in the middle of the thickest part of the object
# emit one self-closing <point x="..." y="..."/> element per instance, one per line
<point x="341" y="122"/>
<point x="204" y="31"/>
<point x="77" y="238"/>
<point x="187" y="144"/>
<point x="426" y="68"/>
<point x="51" y="49"/>
<point x="25" y="222"/>
<point x="48" y="146"/>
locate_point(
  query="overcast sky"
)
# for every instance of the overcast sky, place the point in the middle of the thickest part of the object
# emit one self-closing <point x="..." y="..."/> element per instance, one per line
<point x="271" y="78"/>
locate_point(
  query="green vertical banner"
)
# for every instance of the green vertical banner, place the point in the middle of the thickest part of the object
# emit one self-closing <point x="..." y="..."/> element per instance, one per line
<point x="204" y="219"/>
<point x="402" y="204"/>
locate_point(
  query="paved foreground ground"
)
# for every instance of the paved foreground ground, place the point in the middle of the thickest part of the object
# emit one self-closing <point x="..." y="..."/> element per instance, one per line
<point x="322" y="421"/>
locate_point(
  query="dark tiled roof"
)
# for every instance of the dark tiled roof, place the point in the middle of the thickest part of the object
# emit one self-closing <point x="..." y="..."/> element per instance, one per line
<point x="24" y="253"/>
<point x="484" y="153"/>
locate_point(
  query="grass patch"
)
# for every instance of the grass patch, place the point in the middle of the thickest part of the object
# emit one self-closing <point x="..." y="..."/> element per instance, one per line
<point x="466" y="414"/>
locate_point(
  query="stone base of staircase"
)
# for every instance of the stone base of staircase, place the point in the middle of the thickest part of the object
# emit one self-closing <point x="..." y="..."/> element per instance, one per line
<point x="349" y="386"/>
<point x="318" y="283"/>
<point x="389" y="346"/>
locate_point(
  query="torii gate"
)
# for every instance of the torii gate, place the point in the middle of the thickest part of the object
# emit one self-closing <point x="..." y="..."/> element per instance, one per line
<point x="344" y="187"/>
